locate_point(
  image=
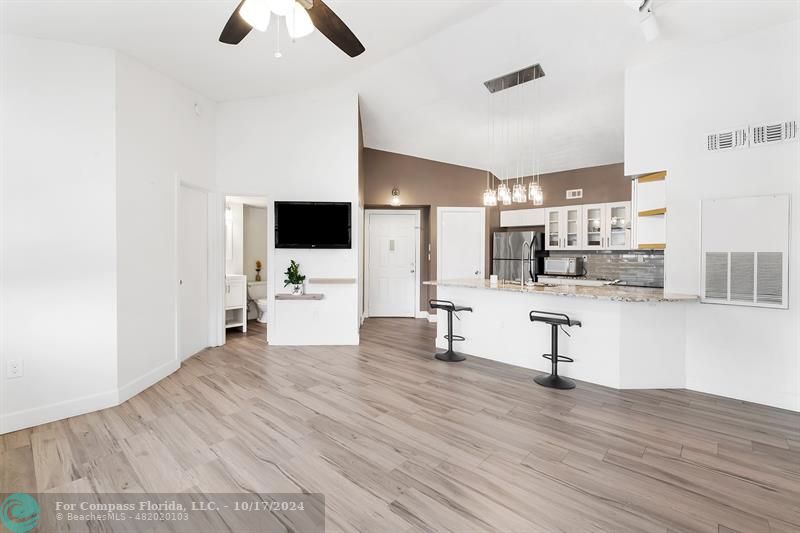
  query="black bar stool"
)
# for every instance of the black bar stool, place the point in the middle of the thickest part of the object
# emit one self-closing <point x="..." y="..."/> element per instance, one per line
<point x="556" y="320"/>
<point x="449" y="356"/>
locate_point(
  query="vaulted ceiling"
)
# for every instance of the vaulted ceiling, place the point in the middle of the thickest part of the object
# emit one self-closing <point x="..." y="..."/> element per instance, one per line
<point x="421" y="79"/>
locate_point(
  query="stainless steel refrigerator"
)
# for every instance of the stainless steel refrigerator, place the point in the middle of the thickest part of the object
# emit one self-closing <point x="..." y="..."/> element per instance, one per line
<point x="510" y="257"/>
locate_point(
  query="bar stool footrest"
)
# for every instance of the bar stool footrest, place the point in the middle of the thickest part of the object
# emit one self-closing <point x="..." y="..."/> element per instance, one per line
<point x="561" y="358"/>
<point x="454" y="337"/>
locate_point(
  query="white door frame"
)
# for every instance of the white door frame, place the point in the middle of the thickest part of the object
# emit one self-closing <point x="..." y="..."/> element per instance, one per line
<point x="419" y="313"/>
<point x="216" y="270"/>
<point x="439" y="211"/>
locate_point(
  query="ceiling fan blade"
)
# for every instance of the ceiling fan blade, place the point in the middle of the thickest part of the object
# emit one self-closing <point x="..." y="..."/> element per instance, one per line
<point x="235" y="29"/>
<point x="332" y="27"/>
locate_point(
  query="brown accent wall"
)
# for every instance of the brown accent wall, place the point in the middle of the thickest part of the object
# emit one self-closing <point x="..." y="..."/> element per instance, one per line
<point x="426" y="185"/>
<point x="606" y="183"/>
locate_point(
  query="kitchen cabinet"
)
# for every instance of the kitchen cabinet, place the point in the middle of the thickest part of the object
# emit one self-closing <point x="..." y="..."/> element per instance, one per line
<point x="236" y="302"/>
<point x="607" y="226"/>
<point x="562" y="228"/>
<point x="522" y="217"/>
<point x="618" y="226"/>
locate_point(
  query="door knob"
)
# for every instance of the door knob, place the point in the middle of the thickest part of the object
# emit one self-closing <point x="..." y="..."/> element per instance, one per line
<point x="477" y="272"/>
<point x="412" y="271"/>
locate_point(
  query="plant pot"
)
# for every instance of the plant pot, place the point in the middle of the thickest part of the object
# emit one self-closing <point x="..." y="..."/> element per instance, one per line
<point x="298" y="289"/>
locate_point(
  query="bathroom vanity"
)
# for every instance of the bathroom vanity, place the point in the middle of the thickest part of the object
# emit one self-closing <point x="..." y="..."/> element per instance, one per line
<point x="236" y="302"/>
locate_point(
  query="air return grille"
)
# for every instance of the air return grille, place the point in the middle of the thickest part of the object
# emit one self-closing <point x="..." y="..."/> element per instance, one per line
<point x="745" y="259"/>
<point x="744" y="277"/>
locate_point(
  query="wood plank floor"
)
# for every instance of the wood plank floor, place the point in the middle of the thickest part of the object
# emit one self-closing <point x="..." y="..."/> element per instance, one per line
<point x="400" y="442"/>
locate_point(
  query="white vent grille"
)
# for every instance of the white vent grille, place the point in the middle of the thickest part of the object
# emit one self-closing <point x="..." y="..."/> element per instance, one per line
<point x="716" y="276"/>
<point x="770" y="278"/>
<point x="774" y="132"/>
<point x="727" y="140"/>
<point x="742" y="276"/>
<point x="574" y="194"/>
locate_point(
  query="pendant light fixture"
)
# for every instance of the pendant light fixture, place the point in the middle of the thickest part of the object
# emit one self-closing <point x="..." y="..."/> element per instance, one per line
<point x="509" y="155"/>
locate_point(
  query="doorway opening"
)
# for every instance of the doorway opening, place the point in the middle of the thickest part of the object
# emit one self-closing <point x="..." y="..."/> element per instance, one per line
<point x="246" y="279"/>
<point x="392" y="263"/>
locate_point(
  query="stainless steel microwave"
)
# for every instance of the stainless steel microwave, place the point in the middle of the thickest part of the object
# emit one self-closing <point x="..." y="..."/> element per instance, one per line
<point x="563" y="266"/>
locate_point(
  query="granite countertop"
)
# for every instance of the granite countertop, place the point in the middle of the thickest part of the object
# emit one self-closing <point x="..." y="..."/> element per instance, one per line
<point x="615" y="293"/>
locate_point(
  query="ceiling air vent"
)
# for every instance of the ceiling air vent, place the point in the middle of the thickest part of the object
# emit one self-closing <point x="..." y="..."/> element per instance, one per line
<point x="727" y="140"/>
<point x="574" y="194"/>
<point x="774" y="132"/>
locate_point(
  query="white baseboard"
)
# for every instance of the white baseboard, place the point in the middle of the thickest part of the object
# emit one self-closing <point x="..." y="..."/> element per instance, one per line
<point x="134" y="387"/>
<point x="431" y="317"/>
<point x="87" y="404"/>
<point x="57" y="411"/>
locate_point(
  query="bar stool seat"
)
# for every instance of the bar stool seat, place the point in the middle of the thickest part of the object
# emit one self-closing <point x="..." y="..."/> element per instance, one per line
<point x="449" y="356"/>
<point x="556" y="321"/>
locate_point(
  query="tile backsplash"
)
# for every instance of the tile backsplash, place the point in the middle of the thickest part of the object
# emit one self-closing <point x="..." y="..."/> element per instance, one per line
<point x="643" y="268"/>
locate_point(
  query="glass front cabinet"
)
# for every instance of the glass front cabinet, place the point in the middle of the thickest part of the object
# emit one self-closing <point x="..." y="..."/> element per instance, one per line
<point x="562" y="228"/>
<point x="618" y="226"/>
<point x="607" y="226"/>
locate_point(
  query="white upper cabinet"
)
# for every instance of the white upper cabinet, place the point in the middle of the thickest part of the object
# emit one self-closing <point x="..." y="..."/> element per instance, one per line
<point x="594" y="226"/>
<point x="589" y="227"/>
<point x="522" y="217"/>
<point x="618" y="226"/>
<point x="562" y="228"/>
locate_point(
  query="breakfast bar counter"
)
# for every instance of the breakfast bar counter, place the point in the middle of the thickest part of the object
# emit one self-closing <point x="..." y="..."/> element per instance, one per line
<point x="631" y="337"/>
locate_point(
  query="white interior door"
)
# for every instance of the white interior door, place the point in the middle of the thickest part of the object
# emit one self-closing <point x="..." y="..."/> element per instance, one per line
<point x="392" y="263"/>
<point x="192" y="271"/>
<point x="461" y="242"/>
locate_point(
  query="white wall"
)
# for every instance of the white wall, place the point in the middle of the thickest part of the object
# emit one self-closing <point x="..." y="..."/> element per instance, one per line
<point x="59" y="230"/>
<point x="298" y="147"/>
<point x="255" y="240"/>
<point x="747" y="353"/>
<point x="162" y="138"/>
<point x="94" y="145"/>
<point x="234" y="239"/>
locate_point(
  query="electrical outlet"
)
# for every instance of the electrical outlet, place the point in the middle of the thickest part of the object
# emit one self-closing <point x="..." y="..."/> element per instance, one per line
<point x="14" y="369"/>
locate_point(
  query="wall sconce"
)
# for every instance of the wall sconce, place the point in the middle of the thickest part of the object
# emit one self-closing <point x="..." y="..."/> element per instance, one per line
<point x="395" y="197"/>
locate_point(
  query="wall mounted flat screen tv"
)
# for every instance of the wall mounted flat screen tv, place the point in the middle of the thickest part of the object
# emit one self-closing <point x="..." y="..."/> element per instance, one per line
<point x="312" y="225"/>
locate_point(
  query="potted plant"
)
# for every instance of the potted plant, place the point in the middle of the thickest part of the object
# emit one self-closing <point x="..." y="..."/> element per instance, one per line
<point x="294" y="278"/>
<point x="258" y="270"/>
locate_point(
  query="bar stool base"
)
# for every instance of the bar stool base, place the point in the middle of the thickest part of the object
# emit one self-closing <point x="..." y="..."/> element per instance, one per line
<point x="450" y="356"/>
<point x="554" y="381"/>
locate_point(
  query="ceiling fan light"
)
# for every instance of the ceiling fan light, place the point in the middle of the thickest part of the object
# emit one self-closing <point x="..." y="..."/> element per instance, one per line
<point x="282" y="8"/>
<point x="256" y="13"/>
<point x="298" y="22"/>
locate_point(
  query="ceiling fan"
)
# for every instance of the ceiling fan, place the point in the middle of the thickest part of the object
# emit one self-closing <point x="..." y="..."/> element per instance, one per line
<point x="302" y="16"/>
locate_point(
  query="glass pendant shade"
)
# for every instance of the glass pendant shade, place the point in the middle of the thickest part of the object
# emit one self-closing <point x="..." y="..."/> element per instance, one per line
<point x="535" y="193"/>
<point x="490" y="198"/>
<point x="298" y="22"/>
<point x="282" y="8"/>
<point x="256" y="13"/>
<point x="504" y="193"/>
<point x="518" y="195"/>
